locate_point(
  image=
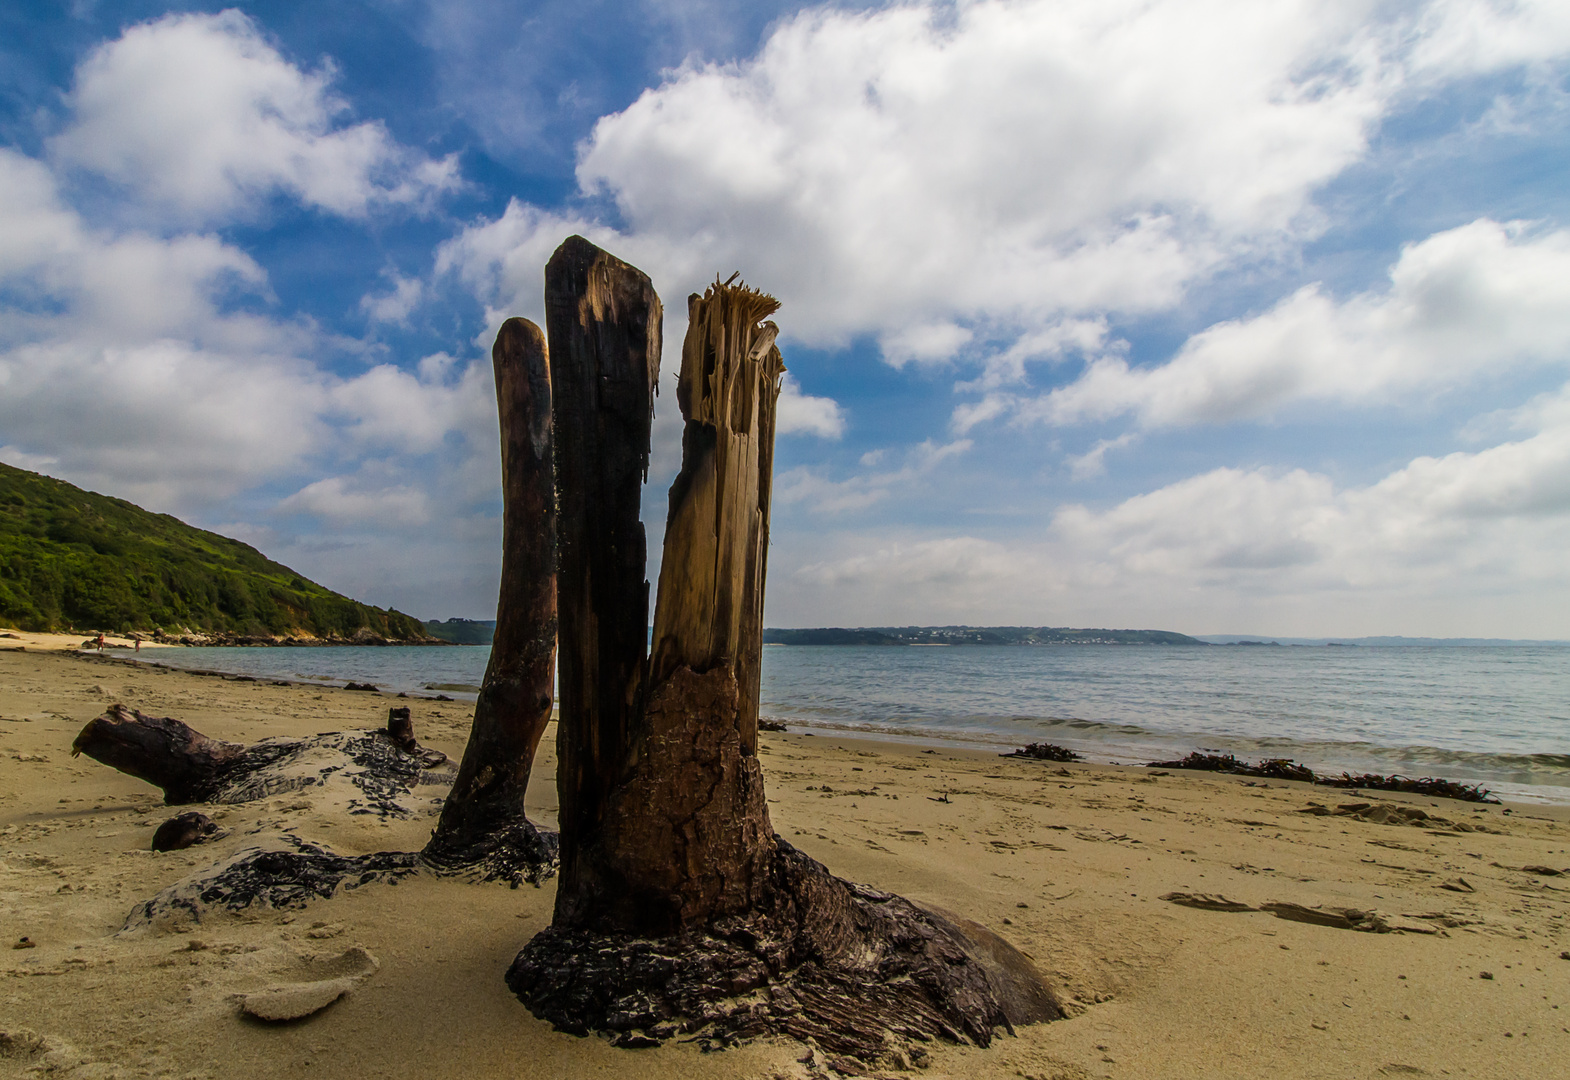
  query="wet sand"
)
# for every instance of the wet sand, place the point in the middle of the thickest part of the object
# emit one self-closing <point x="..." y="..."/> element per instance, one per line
<point x="1069" y="862"/>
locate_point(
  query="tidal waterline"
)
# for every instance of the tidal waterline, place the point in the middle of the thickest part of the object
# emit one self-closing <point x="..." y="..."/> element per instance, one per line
<point x="1493" y="715"/>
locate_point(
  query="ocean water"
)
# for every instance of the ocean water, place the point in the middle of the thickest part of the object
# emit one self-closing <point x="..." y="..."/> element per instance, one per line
<point x="454" y="670"/>
<point x="1493" y="715"/>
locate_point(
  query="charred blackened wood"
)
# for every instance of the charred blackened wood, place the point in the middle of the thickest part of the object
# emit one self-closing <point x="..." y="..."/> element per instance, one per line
<point x="400" y="729"/>
<point x="864" y="973"/>
<point x="274" y="877"/>
<point x="192" y="768"/>
<point x="682" y="832"/>
<point x="183" y="830"/>
<point x="604" y="321"/>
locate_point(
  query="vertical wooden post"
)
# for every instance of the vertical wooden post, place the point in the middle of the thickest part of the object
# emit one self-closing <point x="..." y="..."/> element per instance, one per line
<point x="605" y="324"/>
<point x="483" y="818"/>
<point x="664" y="823"/>
<point x="710" y="607"/>
<point x="690" y="829"/>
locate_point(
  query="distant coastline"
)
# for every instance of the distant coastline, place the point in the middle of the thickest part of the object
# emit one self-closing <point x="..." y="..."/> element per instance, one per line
<point x="460" y="631"/>
<point x="1062" y="635"/>
<point x="974" y="635"/>
<point x="1386" y="641"/>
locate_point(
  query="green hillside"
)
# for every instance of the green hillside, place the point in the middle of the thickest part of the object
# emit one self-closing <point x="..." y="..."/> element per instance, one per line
<point x="71" y="559"/>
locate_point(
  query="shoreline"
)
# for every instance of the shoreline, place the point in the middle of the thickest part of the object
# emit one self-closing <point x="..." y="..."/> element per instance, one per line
<point x="1326" y="759"/>
<point x="63" y="641"/>
<point x="1070" y="862"/>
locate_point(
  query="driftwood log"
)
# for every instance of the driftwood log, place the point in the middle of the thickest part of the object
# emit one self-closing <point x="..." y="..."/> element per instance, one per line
<point x="170" y="754"/>
<point x="679" y="909"/>
<point x="375" y="772"/>
<point x="483" y="823"/>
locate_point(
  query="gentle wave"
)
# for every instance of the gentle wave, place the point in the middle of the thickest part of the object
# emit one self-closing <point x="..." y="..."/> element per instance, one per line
<point x="1119" y="739"/>
<point x="1486" y="715"/>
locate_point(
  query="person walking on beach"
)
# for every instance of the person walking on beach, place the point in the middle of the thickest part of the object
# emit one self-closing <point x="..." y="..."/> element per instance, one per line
<point x="100" y="643"/>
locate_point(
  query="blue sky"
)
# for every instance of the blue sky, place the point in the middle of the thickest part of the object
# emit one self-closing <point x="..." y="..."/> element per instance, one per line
<point x="1209" y="316"/>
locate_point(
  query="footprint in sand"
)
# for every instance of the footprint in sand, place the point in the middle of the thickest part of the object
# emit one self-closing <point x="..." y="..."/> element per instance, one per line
<point x="316" y="985"/>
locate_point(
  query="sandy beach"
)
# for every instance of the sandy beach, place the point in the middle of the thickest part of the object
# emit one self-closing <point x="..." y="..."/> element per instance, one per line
<point x="1069" y="862"/>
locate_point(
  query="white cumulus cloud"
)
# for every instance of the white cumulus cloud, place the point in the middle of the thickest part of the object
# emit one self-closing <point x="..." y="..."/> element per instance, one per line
<point x="200" y="115"/>
<point x="995" y="178"/>
<point x="1465" y="543"/>
<point x="824" y="495"/>
<point x="125" y="366"/>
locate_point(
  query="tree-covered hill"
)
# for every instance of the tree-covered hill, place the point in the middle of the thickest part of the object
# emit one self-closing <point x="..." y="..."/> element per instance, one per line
<point x="72" y="559"/>
<point x="462" y="631"/>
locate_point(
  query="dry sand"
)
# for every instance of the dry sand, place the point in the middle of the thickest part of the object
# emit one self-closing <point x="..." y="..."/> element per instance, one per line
<point x="1068" y="862"/>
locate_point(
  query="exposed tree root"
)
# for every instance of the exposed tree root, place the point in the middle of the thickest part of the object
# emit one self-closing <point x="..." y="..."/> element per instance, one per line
<point x="864" y="973"/>
<point x="516" y="853"/>
<point x="275" y="878"/>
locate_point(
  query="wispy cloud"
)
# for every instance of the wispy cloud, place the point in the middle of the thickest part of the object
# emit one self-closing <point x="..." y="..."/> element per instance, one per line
<point x="803" y="414"/>
<point x="1465" y="304"/>
<point x="825" y="496"/>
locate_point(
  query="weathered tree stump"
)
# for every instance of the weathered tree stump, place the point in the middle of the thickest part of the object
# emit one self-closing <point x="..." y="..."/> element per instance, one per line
<point x="679" y="909"/>
<point x="483" y="823"/>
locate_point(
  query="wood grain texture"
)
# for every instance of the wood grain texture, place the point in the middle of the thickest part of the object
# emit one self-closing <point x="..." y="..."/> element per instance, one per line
<point x="710" y="608"/>
<point x="165" y="752"/>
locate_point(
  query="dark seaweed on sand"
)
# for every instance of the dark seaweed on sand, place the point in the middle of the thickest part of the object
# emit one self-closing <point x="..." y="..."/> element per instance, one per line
<point x="1283" y="769"/>
<point x="1045" y="751"/>
<point x="1274" y="769"/>
<point x="1426" y="785"/>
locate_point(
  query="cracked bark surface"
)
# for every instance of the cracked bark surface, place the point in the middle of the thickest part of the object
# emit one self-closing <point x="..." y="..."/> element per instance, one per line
<point x="679" y="910"/>
<point x="483" y="824"/>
